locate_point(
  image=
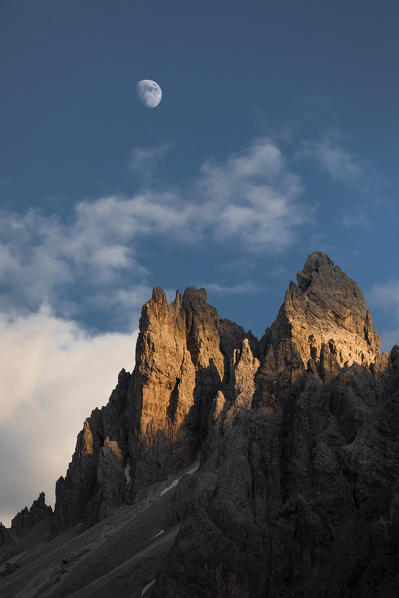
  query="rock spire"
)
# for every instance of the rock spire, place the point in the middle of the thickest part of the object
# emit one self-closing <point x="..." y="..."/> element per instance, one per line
<point x="296" y="492"/>
<point x="326" y="307"/>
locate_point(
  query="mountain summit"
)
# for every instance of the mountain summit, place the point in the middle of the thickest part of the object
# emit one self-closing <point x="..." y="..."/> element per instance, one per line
<point x="230" y="466"/>
<point x="327" y="307"/>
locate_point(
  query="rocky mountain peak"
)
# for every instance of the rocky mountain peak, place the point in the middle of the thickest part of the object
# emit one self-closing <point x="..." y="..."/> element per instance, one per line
<point x="326" y="308"/>
<point x="27" y="518"/>
<point x="227" y="466"/>
<point x="159" y="296"/>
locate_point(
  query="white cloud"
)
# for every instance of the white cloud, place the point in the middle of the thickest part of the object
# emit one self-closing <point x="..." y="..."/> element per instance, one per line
<point x="44" y="259"/>
<point x="251" y="200"/>
<point x="357" y="219"/>
<point x="52" y="374"/>
<point x="144" y="160"/>
<point x="340" y="164"/>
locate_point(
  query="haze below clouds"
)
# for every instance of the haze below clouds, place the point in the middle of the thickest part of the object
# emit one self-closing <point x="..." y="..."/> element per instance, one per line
<point x="52" y="374"/>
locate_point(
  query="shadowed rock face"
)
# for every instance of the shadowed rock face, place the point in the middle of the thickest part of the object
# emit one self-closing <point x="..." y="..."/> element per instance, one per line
<point x="299" y="502"/>
<point x="297" y="493"/>
<point x="27" y="518"/>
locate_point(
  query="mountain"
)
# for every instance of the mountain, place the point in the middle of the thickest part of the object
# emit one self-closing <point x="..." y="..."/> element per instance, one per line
<point x="227" y="466"/>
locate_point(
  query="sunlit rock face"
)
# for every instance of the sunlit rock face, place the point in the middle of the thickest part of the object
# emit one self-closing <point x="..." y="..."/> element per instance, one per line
<point x="326" y="307"/>
<point x="157" y="417"/>
<point x="179" y="368"/>
<point x="297" y="492"/>
<point x="194" y="370"/>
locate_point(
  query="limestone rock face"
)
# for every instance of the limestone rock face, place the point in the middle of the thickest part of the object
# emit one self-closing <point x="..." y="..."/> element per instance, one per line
<point x="163" y="384"/>
<point x="326" y="308"/>
<point x="297" y="492"/>
<point x="302" y="501"/>
<point x="157" y="417"/>
<point x="194" y="372"/>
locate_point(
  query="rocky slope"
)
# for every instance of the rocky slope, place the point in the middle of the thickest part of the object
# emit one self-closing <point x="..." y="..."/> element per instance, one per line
<point x="297" y="493"/>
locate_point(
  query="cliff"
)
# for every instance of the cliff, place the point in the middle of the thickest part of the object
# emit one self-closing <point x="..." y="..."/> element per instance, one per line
<point x="296" y="492"/>
<point x="157" y="417"/>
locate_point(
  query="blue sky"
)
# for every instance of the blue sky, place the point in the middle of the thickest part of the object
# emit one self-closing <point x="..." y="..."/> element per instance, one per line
<point x="277" y="135"/>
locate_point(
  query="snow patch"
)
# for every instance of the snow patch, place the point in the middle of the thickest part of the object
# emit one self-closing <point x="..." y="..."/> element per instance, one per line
<point x="127" y="473"/>
<point x="194" y="467"/>
<point x="147" y="587"/>
<point x="172" y="485"/>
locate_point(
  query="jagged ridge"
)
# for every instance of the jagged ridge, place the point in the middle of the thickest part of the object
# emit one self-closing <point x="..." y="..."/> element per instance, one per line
<point x="157" y="417"/>
<point x="297" y="492"/>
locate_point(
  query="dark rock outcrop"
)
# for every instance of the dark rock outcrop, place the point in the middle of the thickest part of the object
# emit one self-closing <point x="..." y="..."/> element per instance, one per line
<point x="23" y="521"/>
<point x="5" y="537"/>
<point x="28" y="528"/>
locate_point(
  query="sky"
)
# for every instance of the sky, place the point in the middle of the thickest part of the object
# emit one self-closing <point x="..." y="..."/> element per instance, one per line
<point x="277" y="135"/>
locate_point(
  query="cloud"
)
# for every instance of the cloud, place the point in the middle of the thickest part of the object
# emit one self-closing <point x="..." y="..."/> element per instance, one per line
<point x="66" y="264"/>
<point x="386" y="296"/>
<point x="144" y="160"/>
<point x="52" y="374"/>
<point x="340" y="164"/>
<point x="357" y="219"/>
<point x="251" y="200"/>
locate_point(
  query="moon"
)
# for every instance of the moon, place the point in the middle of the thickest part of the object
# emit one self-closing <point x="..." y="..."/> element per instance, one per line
<point x="149" y="93"/>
